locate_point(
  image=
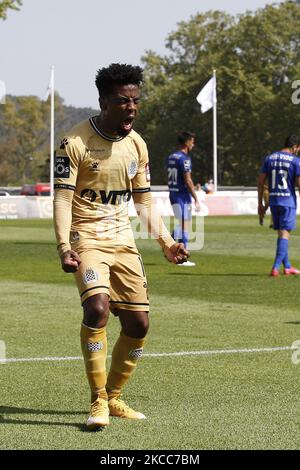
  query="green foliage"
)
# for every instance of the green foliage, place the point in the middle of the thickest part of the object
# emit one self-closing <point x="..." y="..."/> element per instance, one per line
<point x="25" y="136"/>
<point x="8" y="4"/>
<point x="257" y="58"/>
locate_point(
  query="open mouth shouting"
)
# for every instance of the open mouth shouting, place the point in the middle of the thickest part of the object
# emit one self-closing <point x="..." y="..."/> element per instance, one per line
<point x="126" y="125"/>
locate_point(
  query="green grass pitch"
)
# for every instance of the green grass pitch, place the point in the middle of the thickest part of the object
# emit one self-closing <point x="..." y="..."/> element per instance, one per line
<point x="241" y="400"/>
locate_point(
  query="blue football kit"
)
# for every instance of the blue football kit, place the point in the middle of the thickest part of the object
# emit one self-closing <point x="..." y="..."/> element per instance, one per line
<point x="282" y="168"/>
<point x="179" y="163"/>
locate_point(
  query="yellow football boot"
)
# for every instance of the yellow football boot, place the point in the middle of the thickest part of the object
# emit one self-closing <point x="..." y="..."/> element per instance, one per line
<point x="118" y="407"/>
<point x="99" y="415"/>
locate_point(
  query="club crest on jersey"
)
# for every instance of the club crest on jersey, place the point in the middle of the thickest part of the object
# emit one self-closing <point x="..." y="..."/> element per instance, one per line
<point x="132" y="169"/>
<point x="147" y="171"/>
<point x="90" y="276"/>
<point x="135" y="353"/>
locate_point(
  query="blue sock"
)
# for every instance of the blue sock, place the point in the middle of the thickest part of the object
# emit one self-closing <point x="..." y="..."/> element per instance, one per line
<point x="185" y="238"/>
<point x="286" y="261"/>
<point x="177" y="234"/>
<point x="281" y="252"/>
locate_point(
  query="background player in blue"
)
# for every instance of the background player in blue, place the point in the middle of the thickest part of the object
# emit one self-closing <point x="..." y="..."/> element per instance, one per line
<point x="282" y="169"/>
<point x="181" y="187"/>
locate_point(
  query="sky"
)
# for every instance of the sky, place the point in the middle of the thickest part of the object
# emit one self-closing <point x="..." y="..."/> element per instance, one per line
<point x="80" y="36"/>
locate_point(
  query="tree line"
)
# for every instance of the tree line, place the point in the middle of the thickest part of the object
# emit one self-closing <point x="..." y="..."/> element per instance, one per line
<point x="257" y="59"/>
<point x="25" y="136"/>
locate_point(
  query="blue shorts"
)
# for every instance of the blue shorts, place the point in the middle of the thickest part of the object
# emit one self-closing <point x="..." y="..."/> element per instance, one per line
<point x="181" y="205"/>
<point x="284" y="218"/>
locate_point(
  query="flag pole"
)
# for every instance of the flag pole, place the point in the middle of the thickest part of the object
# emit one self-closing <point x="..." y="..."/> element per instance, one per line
<point x="52" y="133"/>
<point x="215" y="144"/>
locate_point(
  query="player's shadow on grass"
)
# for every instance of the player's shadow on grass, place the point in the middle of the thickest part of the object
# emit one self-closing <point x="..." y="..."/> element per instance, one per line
<point x="292" y="322"/>
<point x="12" y="410"/>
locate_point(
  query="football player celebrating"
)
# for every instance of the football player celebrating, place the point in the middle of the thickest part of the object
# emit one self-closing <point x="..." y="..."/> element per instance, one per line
<point x="282" y="169"/>
<point x="101" y="164"/>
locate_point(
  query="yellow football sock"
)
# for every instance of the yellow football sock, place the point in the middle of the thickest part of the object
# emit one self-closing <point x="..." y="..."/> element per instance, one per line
<point x="124" y="360"/>
<point x="94" y="350"/>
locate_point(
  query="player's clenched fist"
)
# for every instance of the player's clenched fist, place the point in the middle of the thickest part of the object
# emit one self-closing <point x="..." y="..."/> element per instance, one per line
<point x="70" y="261"/>
<point x="177" y="253"/>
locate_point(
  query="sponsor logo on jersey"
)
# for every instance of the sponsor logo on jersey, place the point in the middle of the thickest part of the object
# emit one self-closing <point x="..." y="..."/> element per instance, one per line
<point x="187" y="165"/>
<point x="112" y="197"/>
<point x="132" y="169"/>
<point x="101" y="154"/>
<point x="88" y="194"/>
<point x="95" y="347"/>
<point x="147" y="171"/>
<point x="282" y="156"/>
<point x="135" y="353"/>
<point x="90" y="276"/>
<point x="96" y="150"/>
<point x="115" y="197"/>
<point x="62" y="167"/>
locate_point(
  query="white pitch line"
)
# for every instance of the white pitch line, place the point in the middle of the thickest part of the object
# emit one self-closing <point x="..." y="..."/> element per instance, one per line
<point x="39" y="359"/>
<point x="221" y="351"/>
<point x="172" y="354"/>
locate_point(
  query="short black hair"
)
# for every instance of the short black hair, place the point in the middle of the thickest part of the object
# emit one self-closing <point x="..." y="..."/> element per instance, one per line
<point x="184" y="136"/>
<point x="117" y="74"/>
<point x="291" y="141"/>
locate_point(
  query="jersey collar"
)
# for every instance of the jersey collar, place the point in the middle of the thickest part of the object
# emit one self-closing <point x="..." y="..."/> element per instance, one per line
<point x="102" y="134"/>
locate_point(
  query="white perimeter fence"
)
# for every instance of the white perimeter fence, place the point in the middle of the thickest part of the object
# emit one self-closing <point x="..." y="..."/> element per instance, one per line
<point x="222" y="203"/>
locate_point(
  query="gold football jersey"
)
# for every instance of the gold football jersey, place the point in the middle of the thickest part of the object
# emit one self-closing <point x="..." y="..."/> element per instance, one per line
<point x="103" y="172"/>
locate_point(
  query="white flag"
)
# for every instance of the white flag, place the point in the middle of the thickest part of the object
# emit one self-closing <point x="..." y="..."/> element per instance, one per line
<point x="51" y="84"/>
<point x="208" y="95"/>
<point x="2" y="92"/>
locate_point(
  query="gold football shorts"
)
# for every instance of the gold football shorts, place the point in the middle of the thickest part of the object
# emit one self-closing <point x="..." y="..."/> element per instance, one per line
<point x="116" y="271"/>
